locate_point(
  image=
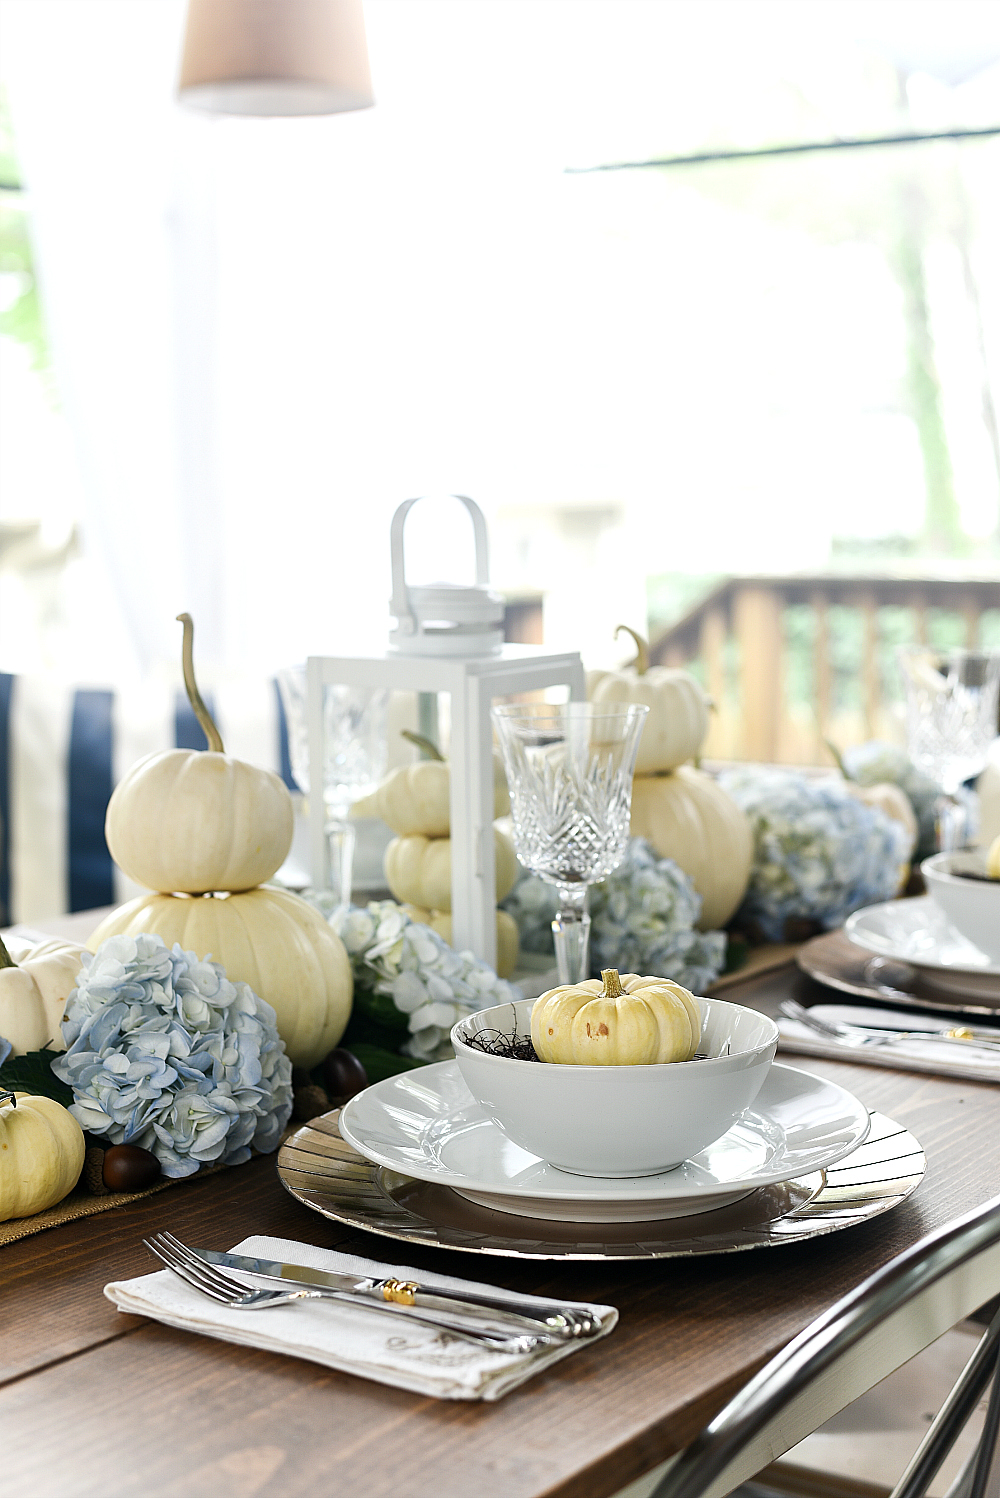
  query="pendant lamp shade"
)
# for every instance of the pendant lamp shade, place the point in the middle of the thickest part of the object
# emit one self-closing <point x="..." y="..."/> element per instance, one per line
<point x="275" y="57"/>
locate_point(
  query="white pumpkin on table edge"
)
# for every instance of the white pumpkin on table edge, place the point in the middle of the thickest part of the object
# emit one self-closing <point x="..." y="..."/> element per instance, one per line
<point x="41" y="1154"/>
<point x="508" y="937"/>
<point x="687" y="816"/>
<point x="417" y="798"/>
<point x="677" y="722"/>
<point x="194" y="820"/>
<point x="418" y="869"/>
<point x="34" y="988"/>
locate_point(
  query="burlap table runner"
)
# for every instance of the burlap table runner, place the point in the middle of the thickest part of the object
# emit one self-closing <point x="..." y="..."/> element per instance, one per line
<point x="80" y="1203"/>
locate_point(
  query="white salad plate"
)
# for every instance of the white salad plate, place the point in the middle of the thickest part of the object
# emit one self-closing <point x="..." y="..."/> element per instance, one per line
<point x="919" y="933"/>
<point x="426" y="1125"/>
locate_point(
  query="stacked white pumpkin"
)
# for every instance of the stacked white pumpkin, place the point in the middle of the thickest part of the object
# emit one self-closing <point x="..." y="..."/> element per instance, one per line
<point x="681" y="811"/>
<point x="415" y="802"/>
<point x="204" y="831"/>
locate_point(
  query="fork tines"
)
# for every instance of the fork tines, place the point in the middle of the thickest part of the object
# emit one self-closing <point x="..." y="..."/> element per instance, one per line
<point x="188" y="1266"/>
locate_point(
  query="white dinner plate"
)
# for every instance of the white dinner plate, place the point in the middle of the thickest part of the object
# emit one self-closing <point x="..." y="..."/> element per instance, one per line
<point x="919" y="932"/>
<point x="425" y="1124"/>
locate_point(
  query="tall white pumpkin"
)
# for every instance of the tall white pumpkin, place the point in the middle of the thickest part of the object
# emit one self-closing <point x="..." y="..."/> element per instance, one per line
<point x="688" y="817"/>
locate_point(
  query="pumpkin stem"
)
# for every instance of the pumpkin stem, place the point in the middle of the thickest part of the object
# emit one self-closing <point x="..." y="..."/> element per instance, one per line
<point x="6" y="960"/>
<point x="838" y="757"/>
<point x="428" y="748"/>
<point x="612" y="983"/>
<point x="201" y="712"/>
<point x="641" y="662"/>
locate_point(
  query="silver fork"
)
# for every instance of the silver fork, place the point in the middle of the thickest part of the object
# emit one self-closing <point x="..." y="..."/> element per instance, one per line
<point x="229" y="1291"/>
<point x="864" y="1035"/>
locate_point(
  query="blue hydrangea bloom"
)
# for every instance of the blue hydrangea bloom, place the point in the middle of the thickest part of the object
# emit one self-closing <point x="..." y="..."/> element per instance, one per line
<point x="876" y="761"/>
<point x="819" y="853"/>
<point x="642" y="920"/>
<point x="164" y="1052"/>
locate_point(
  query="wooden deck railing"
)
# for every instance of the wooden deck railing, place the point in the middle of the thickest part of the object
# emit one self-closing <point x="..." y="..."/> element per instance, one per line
<point x="790" y="661"/>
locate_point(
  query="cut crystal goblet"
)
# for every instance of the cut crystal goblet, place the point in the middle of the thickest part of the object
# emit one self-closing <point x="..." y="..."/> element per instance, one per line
<point x="569" y="772"/>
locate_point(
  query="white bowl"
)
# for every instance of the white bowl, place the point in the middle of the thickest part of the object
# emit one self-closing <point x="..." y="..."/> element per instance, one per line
<point x="619" y="1120"/>
<point x="971" y="905"/>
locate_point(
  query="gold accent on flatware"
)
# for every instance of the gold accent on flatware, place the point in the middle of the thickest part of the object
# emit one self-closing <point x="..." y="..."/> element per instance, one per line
<point x="403" y="1292"/>
<point x="960" y="1032"/>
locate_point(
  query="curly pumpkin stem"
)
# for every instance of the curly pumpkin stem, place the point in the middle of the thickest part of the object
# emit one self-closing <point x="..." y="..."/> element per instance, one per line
<point x="201" y="712"/>
<point x="428" y="748"/>
<point x="6" y="960"/>
<point x="612" y="983"/>
<point x="641" y="662"/>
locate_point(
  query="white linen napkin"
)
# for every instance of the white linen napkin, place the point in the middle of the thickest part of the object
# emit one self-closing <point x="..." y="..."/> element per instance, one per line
<point x="945" y="1059"/>
<point x="391" y="1350"/>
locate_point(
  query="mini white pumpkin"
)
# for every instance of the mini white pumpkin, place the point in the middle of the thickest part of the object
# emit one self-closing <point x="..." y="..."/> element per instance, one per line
<point x="688" y="817"/>
<point x="194" y="821"/>
<point x="41" y="1154"/>
<point x="416" y="798"/>
<point x="418" y="869"/>
<point x="269" y="938"/>
<point x="33" y="993"/>
<point x="616" y="1021"/>
<point x="677" y="722"/>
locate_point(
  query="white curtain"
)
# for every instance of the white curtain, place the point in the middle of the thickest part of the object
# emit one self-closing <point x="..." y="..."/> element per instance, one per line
<point x="269" y="332"/>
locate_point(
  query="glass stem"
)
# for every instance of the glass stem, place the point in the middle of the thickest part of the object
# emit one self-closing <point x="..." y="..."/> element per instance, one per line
<point x="950" y="823"/>
<point x="571" y="934"/>
<point x="341" y="838"/>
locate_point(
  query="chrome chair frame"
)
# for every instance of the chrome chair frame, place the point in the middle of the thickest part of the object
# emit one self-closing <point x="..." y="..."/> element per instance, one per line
<point x="894" y="1314"/>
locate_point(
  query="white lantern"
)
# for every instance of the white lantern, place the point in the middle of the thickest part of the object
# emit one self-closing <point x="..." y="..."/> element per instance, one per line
<point x="449" y="638"/>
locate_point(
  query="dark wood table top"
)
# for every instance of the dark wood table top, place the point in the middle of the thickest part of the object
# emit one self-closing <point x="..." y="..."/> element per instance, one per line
<point x="94" y="1402"/>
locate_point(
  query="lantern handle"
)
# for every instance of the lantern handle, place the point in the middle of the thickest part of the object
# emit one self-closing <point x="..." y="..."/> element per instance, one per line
<point x="406" y="624"/>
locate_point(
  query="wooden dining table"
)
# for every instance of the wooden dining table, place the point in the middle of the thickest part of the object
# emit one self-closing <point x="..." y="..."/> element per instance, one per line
<point x="96" y="1402"/>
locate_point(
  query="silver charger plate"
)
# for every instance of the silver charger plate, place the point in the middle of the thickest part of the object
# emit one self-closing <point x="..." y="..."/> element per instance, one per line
<point x="321" y="1170"/>
<point x="835" y="961"/>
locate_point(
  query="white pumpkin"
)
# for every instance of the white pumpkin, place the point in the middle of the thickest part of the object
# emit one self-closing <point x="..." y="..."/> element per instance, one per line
<point x="416" y="798"/>
<point x="269" y="938"/>
<point x="508" y="941"/>
<point x="33" y="993"/>
<point x="688" y="817"/>
<point x="41" y="1154"/>
<point x="418" y="869"/>
<point x="677" y="722"/>
<point x="896" y="804"/>
<point x="194" y="821"/>
<point x="993" y="859"/>
<point x="616" y="1021"/>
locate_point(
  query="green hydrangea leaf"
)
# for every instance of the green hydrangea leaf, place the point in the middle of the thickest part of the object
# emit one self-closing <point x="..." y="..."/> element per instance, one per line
<point x="33" y="1073"/>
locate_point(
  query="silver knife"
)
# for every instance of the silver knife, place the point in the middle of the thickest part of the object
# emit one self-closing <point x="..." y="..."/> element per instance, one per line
<point x="557" y="1321"/>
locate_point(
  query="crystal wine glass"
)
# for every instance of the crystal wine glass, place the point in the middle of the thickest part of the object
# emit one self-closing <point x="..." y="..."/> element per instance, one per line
<point x="951" y="721"/>
<point x="569" y="771"/>
<point x="355" y="753"/>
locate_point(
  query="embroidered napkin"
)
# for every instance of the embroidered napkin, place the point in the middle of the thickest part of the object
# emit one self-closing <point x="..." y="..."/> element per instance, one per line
<point x="373" y="1344"/>
<point x="974" y="1063"/>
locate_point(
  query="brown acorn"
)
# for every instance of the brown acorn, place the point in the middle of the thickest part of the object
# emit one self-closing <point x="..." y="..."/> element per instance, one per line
<point x="129" y="1168"/>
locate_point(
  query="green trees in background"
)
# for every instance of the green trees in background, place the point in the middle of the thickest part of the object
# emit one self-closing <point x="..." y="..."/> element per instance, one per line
<point x="20" y="312"/>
